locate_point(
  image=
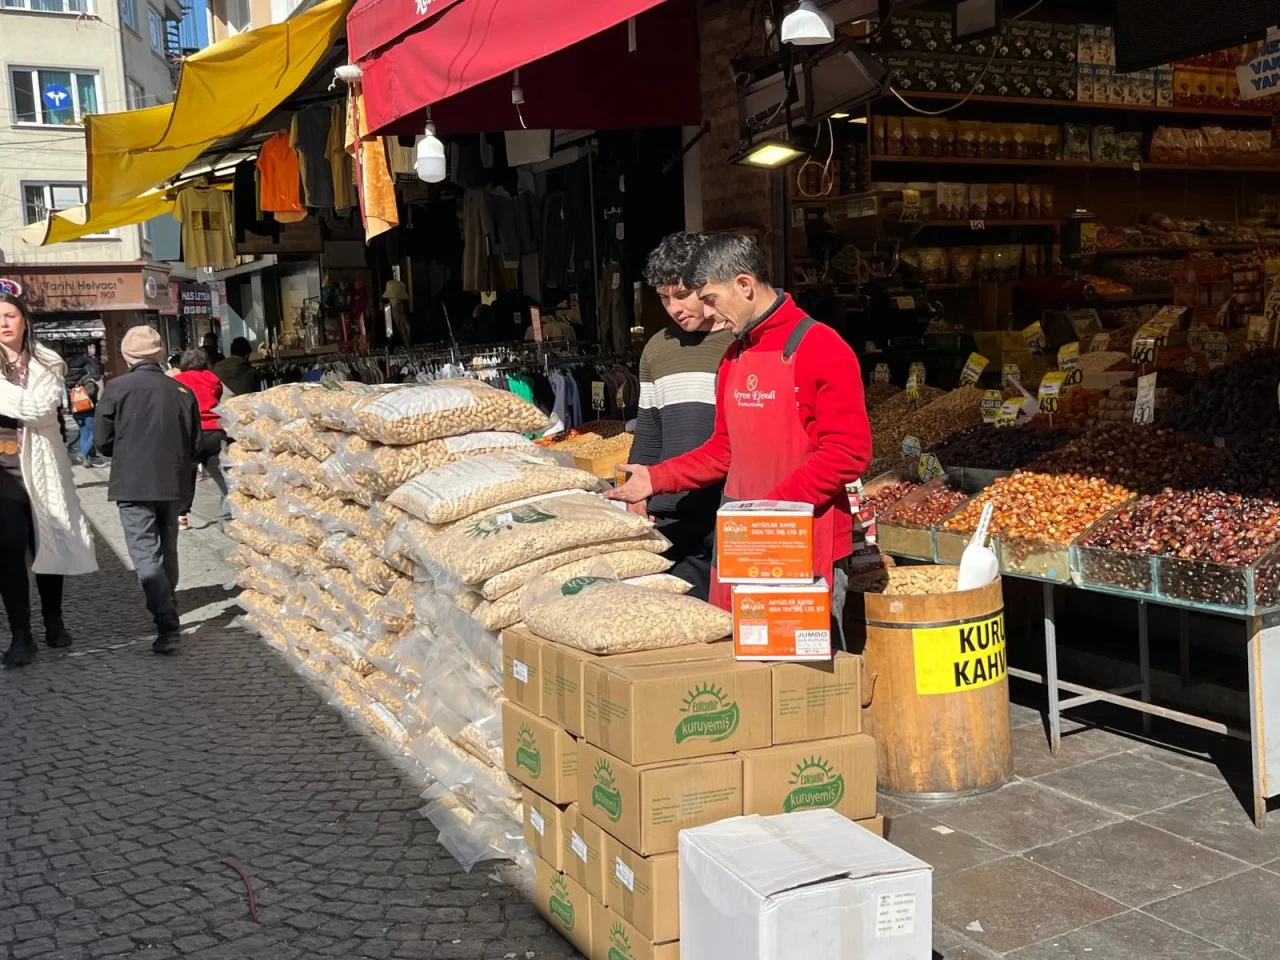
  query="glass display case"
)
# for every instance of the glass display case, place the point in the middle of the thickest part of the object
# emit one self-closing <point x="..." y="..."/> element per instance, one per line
<point x="1035" y="559"/>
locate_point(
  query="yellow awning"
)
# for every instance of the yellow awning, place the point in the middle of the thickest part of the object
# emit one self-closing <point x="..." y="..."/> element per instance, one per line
<point x="224" y="89"/>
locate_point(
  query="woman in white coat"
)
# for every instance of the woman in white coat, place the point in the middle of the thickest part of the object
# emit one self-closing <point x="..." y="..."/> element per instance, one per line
<point x="41" y="522"/>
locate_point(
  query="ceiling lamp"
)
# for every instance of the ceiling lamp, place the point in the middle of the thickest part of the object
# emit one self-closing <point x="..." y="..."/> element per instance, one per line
<point x="429" y="164"/>
<point x="768" y="154"/>
<point x="808" y="26"/>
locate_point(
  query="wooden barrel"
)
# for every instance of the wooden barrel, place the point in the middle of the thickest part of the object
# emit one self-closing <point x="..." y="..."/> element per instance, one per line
<point x="940" y="694"/>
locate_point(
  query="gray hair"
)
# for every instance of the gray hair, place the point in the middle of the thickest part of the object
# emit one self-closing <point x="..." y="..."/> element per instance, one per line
<point x="727" y="255"/>
<point x="672" y="260"/>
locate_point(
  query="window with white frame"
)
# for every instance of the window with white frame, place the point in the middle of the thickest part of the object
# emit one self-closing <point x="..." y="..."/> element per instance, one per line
<point x="137" y="95"/>
<point x="48" y="6"/>
<point x="129" y="15"/>
<point x="41" y="200"/>
<point x="52" y="97"/>
<point x="155" y="30"/>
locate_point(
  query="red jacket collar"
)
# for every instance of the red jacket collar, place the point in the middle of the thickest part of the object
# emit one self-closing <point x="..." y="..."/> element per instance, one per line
<point x="781" y="316"/>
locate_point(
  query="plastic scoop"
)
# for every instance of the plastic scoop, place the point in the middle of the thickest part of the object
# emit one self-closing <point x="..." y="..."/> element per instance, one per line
<point x="978" y="565"/>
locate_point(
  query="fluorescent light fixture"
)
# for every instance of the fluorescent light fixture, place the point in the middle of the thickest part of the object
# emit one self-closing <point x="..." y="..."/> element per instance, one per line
<point x="840" y="116"/>
<point x="768" y="154"/>
<point x="808" y="26"/>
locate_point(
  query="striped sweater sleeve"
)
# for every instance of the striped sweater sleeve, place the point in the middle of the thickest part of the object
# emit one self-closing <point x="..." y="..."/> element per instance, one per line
<point x="646" y="448"/>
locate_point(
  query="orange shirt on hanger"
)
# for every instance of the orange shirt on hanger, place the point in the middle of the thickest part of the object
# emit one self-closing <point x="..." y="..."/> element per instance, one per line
<point x="279" y="176"/>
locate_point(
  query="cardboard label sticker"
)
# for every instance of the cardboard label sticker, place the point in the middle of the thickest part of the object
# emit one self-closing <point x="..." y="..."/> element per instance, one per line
<point x="536" y="821"/>
<point x="1089" y="237"/>
<point x="626" y="876"/>
<point x="520" y="671"/>
<point x="964" y="656"/>
<point x="1008" y="415"/>
<point x="880" y="374"/>
<point x="1143" y="349"/>
<point x="578" y="845"/>
<point x="1216" y="346"/>
<point x="1051" y="388"/>
<point x="895" y="914"/>
<point x="1069" y="356"/>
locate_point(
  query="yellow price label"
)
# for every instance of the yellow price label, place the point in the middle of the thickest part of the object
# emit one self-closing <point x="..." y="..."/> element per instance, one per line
<point x="911" y="446"/>
<point x="1215" y="346"/>
<point x="913" y="388"/>
<point x="930" y="468"/>
<point x="1034" y="337"/>
<point x="1143" y="349"/>
<point x="964" y="656"/>
<point x="1069" y="356"/>
<point x="1010" y="375"/>
<point x="1099" y="342"/>
<point x="1051" y="390"/>
<point x="973" y="368"/>
<point x="1088" y="238"/>
<point x="990" y="405"/>
<point x="1008" y="416"/>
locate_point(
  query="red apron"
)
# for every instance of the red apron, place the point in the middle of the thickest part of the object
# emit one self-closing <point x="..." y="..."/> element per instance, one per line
<point x="768" y="441"/>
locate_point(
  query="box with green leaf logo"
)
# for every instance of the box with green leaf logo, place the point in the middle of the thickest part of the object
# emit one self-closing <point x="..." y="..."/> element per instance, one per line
<point x="647" y="806"/>
<point x="564" y="904"/>
<point x="542" y="827"/>
<point x="615" y="939"/>
<point x="677" y="711"/>
<point x="644" y="891"/>
<point x="839" y="774"/>
<point x="539" y="754"/>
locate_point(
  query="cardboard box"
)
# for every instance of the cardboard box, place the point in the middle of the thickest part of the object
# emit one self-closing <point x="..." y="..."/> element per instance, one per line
<point x="874" y="824"/>
<point x="582" y="852"/>
<point x="543" y="822"/>
<point x="767" y="888"/>
<point x="775" y="621"/>
<point x="539" y="754"/>
<point x="647" y="807"/>
<point x="677" y="711"/>
<point x="564" y="904"/>
<point x="521" y="680"/>
<point x="839" y="774"/>
<point x="644" y="891"/>
<point x="563" y="671"/>
<point x="769" y="540"/>
<point x="817" y="701"/>
<point x="615" y="939"/>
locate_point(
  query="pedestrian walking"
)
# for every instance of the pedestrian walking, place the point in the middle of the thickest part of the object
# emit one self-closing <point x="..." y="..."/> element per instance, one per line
<point x="84" y="386"/>
<point x="42" y="528"/>
<point x="236" y="372"/>
<point x="150" y="425"/>
<point x="211" y="349"/>
<point x="194" y="372"/>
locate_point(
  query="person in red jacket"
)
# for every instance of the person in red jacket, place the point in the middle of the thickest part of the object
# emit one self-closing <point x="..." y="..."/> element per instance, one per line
<point x="791" y="419"/>
<point x="194" y="373"/>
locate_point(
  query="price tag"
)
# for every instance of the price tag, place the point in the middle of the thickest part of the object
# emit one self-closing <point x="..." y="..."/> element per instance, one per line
<point x="917" y="371"/>
<point x="1069" y="356"/>
<point x="1143" y="349"/>
<point x="910" y="206"/>
<point x="597" y="395"/>
<point x="904" y="303"/>
<point x="911" y="446"/>
<point x="930" y="468"/>
<point x="1088" y="238"/>
<point x="977" y="224"/>
<point x="1051" y="390"/>
<point x="1034" y="336"/>
<point x="973" y="368"/>
<point x="913" y="388"/>
<point x="991" y="403"/>
<point x="1009" y="411"/>
<point x="1010" y="375"/>
<point x="1099" y="342"/>
<point x="1215" y="346"/>
<point x="520" y="671"/>
<point x="880" y="374"/>
<point x="1272" y="309"/>
<point x="1196" y="335"/>
<point x="1144" y="409"/>
<point x="1259" y="328"/>
<point x="536" y="316"/>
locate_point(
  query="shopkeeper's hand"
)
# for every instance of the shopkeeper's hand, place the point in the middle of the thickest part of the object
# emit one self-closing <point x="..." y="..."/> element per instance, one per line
<point x="640" y="509"/>
<point x="637" y="489"/>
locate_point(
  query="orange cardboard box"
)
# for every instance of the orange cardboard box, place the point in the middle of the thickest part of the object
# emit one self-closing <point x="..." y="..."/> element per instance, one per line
<point x="776" y="621"/>
<point x="764" y="540"/>
<point x="612" y="938"/>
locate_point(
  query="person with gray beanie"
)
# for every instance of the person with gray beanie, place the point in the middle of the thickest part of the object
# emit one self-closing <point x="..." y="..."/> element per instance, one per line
<point x="149" y="424"/>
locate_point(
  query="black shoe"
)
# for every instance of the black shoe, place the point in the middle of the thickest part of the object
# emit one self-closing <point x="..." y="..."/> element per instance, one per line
<point x="56" y="636"/>
<point x="21" y="651"/>
<point x="166" y="644"/>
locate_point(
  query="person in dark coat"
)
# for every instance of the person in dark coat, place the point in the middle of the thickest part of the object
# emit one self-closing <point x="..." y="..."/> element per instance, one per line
<point x="236" y="372"/>
<point x="149" y="424"/>
<point x="85" y="371"/>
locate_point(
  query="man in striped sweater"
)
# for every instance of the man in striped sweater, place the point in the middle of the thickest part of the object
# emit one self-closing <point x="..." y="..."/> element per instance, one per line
<point x="678" y="406"/>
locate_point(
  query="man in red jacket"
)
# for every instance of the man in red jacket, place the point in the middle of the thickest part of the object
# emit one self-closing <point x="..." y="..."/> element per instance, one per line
<point x="791" y="420"/>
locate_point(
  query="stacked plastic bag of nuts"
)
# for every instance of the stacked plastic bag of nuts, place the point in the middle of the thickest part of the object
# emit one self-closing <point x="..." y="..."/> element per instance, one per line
<point x="384" y="535"/>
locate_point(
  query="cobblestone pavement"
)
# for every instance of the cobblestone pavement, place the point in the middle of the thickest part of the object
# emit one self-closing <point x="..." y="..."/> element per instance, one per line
<point x="126" y="781"/>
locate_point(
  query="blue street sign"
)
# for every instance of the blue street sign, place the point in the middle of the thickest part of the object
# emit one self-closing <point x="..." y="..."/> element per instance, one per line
<point x="56" y="97"/>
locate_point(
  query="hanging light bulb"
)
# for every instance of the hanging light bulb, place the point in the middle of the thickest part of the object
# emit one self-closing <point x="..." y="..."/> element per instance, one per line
<point x="807" y="25"/>
<point x="429" y="164"/>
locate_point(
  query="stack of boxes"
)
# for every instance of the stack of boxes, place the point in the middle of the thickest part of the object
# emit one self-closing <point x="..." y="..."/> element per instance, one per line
<point x="621" y="753"/>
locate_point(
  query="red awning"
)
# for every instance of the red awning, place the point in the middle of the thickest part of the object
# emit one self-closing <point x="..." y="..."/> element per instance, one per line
<point x="469" y="42"/>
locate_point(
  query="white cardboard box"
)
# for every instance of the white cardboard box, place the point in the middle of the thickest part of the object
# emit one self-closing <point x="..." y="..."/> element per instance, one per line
<point x="809" y="885"/>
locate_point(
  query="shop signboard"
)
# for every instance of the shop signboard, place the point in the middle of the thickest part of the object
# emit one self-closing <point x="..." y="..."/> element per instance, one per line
<point x="1260" y="77"/>
<point x="88" y="287"/>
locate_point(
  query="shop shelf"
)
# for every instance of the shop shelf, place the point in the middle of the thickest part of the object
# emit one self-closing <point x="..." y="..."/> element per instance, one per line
<point x="1035" y="559"/>
<point x="1157" y="251"/>
<point x="1140" y="166"/>
<point x="1076" y="105"/>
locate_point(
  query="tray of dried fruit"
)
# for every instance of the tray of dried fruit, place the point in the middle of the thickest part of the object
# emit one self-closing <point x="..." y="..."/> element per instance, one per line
<point x="909" y="528"/>
<point x="1202" y="548"/>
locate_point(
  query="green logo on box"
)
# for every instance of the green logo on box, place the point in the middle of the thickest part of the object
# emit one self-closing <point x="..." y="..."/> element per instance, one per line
<point x="711" y="715"/>
<point x="560" y="906"/>
<point x="620" y="944"/>
<point x="527" y="753"/>
<point x="605" y="794"/>
<point x="815" y="785"/>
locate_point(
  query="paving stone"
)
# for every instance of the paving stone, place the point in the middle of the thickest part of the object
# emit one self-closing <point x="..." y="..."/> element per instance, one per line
<point x="1133" y="863"/>
<point x="943" y="848"/>
<point x="1020" y="815"/>
<point x="1238" y="913"/>
<point x="1129" y="784"/>
<point x="1017" y="903"/>
<point x="1032" y="758"/>
<point x="1220" y="822"/>
<point x="1128" y="936"/>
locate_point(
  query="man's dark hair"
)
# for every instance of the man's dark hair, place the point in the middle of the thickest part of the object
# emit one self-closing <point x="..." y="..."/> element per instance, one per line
<point x="672" y="260"/>
<point x="726" y="255"/>
<point x="240" y="347"/>
<point x="193" y="358"/>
